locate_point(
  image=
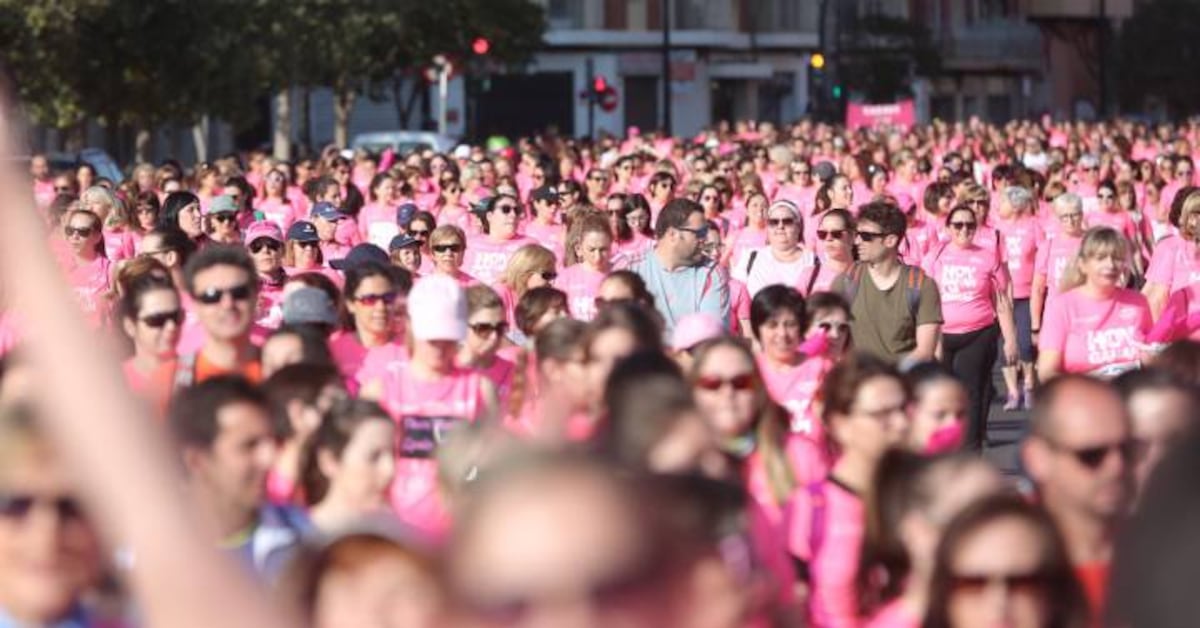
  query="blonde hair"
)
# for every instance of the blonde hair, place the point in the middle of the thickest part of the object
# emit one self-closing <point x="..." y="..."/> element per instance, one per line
<point x="445" y="232"/>
<point x="1096" y="241"/>
<point x="529" y="259"/>
<point x="1191" y="205"/>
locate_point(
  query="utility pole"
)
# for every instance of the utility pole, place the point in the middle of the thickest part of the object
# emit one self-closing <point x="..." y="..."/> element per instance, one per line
<point x="666" y="65"/>
<point x="1102" y="37"/>
<point x="591" y="98"/>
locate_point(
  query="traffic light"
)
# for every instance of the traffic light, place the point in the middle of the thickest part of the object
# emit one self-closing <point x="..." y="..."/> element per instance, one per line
<point x="481" y="46"/>
<point x="599" y="86"/>
<point x="817" y="61"/>
<point x="837" y="92"/>
<point x="603" y="94"/>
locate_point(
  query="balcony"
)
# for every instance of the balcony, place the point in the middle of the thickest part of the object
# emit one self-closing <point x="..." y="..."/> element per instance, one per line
<point x="996" y="45"/>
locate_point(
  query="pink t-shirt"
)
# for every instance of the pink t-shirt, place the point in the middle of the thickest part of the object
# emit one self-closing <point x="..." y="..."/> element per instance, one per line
<point x="486" y="258"/>
<point x="794" y="388"/>
<point x="895" y="614"/>
<point x="739" y="305"/>
<point x="425" y="411"/>
<point x="760" y="268"/>
<point x="270" y="303"/>
<point x="1119" y="220"/>
<point x="500" y="373"/>
<point x="1175" y="264"/>
<point x="279" y="211"/>
<point x="361" y="365"/>
<point x="1054" y="255"/>
<point x="581" y="284"/>
<point x="828" y="527"/>
<point x="551" y="236"/>
<point x="1021" y="237"/>
<point x="377" y="224"/>
<point x="1180" y="317"/>
<point x="1092" y="333"/>
<point x="92" y="283"/>
<point x="119" y="244"/>
<point x="968" y="278"/>
<point x="745" y="240"/>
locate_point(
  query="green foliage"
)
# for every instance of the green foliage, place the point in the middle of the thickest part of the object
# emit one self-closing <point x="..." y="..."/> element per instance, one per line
<point x="1158" y="50"/>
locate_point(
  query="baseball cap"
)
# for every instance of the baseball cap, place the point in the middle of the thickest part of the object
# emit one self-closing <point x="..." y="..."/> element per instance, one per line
<point x="327" y="211"/>
<point x="222" y="204"/>
<point x="786" y="205"/>
<point x="402" y="241"/>
<point x="359" y="255"/>
<point x="405" y="213"/>
<point x="441" y="309"/>
<point x="824" y="171"/>
<point x="694" y="329"/>
<point x="309" y="305"/>
<point x="544" y="193"/>
<point x="263" y="229"/>
<point x="303" y="231"/>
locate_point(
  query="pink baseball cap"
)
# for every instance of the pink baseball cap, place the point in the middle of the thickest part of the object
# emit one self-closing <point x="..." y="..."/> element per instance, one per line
<point x="437" y="309"/>
<point x="694" y="329"/>
<point x="263" y="229"/>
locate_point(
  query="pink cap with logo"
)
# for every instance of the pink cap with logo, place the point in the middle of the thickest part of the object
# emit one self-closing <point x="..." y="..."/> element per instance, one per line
<point x="263" y="229"/>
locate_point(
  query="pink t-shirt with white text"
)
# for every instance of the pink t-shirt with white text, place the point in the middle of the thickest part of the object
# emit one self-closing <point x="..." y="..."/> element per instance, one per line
<point x="486" y="258"/>
<point x="1092" y="333"/>
<point x="581" y="284"/>
<point x="795" y="388"/>
<point x="1175" y="264"/>
<point x="377" y="224"/>
<point x="279" y="211"/>
<point x="1054" y="255"/>
<point x="92" y="283"/>
<point x="968" y="278"/>
<point x="1020" y="236"/>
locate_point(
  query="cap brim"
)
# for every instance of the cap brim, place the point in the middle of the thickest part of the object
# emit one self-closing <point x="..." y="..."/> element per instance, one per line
<point x="341" y="264"/>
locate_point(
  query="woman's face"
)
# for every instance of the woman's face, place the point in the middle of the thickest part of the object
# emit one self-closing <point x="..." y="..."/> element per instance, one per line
<point x="385" y="191"/>
<point x="963" y="225"/>
<point x="756" y="210"/>
<point x="304" y="254"/>
<point x="189" y="220"/>
<point x="49" y="553"/>
<point x="710" y="200"/>
<point x="147" y="216"/>
<point x="780" y="336"/>
<point x="364" y="471"/>
<point x="437" y="355"/>
<point x="995" y="578"/>
<point x="595" y="250"/>
<point x="941" y="403"/>
<point x="275" y="183"/>
<point x="97" y="205"/>
<point x="541" y="277"/>
<point x="835" y="324"/>
<point x="85" y="176"/>
<point x="835" y="238"/>
<point x="447" y="255"/>
<point x="726" y="391"/>
<point x="638" y="220"/>
<point x="842" y="193"/>
<point x="82" y="233"/>
<point x="267" y="254"/>
<point x="502" y="220"/>
<point x="783" y="229"/>
<point x="1103" y="270"/>
<point x="224" y="225"/>
<point x="877" y="419"/>
<point x="486" y="328"/>
<point x="373" y="306"/>
<point x="155" y="332"/>
<point x="606" y="349"/>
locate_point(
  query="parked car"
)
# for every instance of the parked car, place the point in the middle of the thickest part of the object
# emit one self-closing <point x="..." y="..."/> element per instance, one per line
<point x="402" y="142"/>
<point x="98" y="158"/>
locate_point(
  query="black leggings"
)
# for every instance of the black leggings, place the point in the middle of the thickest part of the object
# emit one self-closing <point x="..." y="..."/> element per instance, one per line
<point x="972" y="356"/>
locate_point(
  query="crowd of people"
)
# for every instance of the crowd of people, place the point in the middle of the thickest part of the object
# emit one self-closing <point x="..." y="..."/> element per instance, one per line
<point x="740" y="379"/>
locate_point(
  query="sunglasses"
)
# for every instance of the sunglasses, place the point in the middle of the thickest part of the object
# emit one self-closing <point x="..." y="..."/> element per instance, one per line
<point x="548" y="275"/>
<point x="508" y="209"/>
<point x="224" y="217"/>
<point x="782" y="222"/>
<point x="972" y="584"/>
<point x="447" y="248"/>
<point x="307" y="244"/>
<point x="265" y="243"/>
<point x="84" y="232"/>
<point x="419" y="234"/>
<point x="63" y="190"/>
<point x="371" y="300"/>
<point x="831" y="234"/>
<point x="597" y="179"/>
<point x="159" y="320"/>
<point x="700" y="233"/>
<point x="869" y="236"/>
<point x="741" y="382"/>
<point x="828" y="327"/>
<point x="602" y="302"/>
<point x="962" y="226"/>
<point x="1094" y="457"/>
<point x="487" y="329"/>
<point x="18" y="506"/>
<point x="1105" y="197"/>
<point x="213" y="296"/>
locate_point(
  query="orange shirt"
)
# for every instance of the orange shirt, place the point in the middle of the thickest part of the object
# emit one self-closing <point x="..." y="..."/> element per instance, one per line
<point x="251" y="370"/>
<point x="1093" y="578"/>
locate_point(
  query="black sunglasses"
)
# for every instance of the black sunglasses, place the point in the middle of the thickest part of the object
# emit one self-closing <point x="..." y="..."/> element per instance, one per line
<point x="1016" y="582"/>
<point x="419" y="234"/>
<point x="487" y="329"/>
<point x="869" y="236"/>
<point x="370" y="300"/>
<point x="212" y="296"/>
<point x="447" y="248"/>
<point x="782" y="222"/>
<point x="827" y="327"/>
<point x="508" y="209"/>
<point x="1094" y="457"/>
<point x="830" y="234"/>
<point x="548" y="275"/>
<point x="18" y="506"/>
<point x="264" y="243"/>
<point x="85" y="232"/>
<point x="224" y="217"/>
<point x="160" y="319"/>
<point x="959" y="226"/>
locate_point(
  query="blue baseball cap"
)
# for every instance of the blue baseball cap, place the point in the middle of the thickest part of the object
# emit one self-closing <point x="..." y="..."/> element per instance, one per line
<point x="402" y="241"/>
<point x="405" y="213"/>
<point x="327" y="211"/>
<point x="361" y="254"/>
<point x="303" y="231"/>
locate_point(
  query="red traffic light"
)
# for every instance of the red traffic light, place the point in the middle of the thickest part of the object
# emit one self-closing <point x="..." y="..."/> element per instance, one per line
<point x="600" y="84"/>
<point x="481" y="46"/>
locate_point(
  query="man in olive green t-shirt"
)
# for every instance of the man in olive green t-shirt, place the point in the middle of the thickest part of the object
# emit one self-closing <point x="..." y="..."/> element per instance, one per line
<point x="896" y="310"/>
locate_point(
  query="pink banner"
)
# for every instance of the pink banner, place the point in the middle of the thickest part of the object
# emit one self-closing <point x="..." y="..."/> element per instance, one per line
<point x="900" y="113"/>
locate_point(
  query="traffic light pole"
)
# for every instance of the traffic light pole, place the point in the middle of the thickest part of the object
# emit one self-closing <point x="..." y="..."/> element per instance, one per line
<point x="666" y="65"/>
<point x="591" y="98"/>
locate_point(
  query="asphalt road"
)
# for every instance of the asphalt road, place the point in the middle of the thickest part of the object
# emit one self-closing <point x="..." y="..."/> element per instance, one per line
<point x="1005" y="430"/>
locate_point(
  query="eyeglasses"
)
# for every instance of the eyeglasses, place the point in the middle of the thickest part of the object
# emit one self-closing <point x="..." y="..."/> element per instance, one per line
<point x="742" y="382"/>
<point x="1094" y="457"/>
<point x="827" y="327"/>
<point x="371" y="300"/>
<point x="548" y="275"/>
<point x="487" y="329"/>
<point x="508" y="209"/>
<point x="265" y="243"/>
<point x="831" y="234"/>
<point x="1070" y="216"/>
<point x="700" y="233"/>
<point x="160" y="319"/>
<point x="79" y="232"/>
<point x="213" y="296"/>
<point x="419" y="234"/>
<point x="973" y="584"/>
<point x="447" y="248"/>
<point x="869" y="236"/>
<point x="963" y="226"/>
<point x="18" y="506"/>
<point x="223" y="217"/>
<point x="782" y="222"/>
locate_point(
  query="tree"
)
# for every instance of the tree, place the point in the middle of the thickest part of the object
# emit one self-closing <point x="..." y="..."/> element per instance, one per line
<point x="879" y="55"/>
<point x="1158" y="49"/>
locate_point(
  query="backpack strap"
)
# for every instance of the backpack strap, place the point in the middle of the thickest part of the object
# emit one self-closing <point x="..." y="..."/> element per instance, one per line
<point x="812" y="277"/>
<point x="750" y="262"/>
<point x="914" y="281"/>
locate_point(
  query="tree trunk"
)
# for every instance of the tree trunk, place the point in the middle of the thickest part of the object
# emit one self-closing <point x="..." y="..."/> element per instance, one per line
<point x="343" y="104"/>
<point x="75" y="137"/>
<point x="282" y="134"/>
<point x="200" y="138"/>
<point x="142" y="144"/>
